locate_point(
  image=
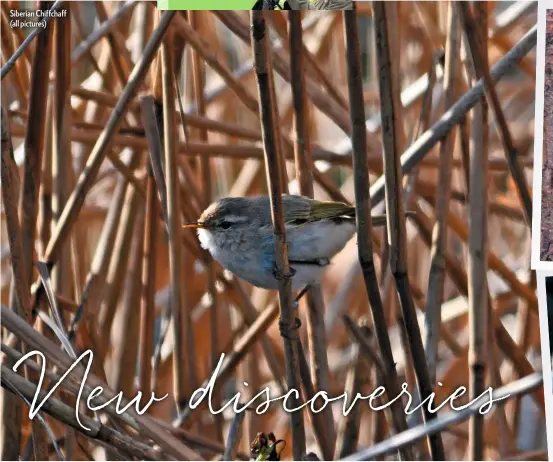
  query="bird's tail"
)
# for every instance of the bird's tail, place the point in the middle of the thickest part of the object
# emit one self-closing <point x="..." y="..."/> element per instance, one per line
<point x="380" y="220"/>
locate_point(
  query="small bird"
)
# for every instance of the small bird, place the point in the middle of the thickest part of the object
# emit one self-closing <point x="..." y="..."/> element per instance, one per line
<point x="238" y="232"/>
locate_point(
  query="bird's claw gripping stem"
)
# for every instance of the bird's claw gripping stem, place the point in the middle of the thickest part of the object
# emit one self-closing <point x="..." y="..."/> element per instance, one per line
<point x="296" y="302"/>
<point x="279" y="275"/>
<point x="288" y="331"/>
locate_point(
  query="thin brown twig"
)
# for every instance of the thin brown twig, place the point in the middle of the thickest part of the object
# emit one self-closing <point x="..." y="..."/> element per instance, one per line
<point x="206" y="176"/>
<point x="315" y="304"/>
<point x="478" y="248"/>
<point x="363" y="215"/>
<point x="263" y="72"/>
<point x="84" y="183"/>
<point x="390" y="105"/>
<point x="481" y="67"/>
<point x="436" y="278"/>
<point x="181" y="322"/>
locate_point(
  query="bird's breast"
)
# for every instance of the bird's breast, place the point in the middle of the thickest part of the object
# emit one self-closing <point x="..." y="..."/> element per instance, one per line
<point x="240" y="255"/>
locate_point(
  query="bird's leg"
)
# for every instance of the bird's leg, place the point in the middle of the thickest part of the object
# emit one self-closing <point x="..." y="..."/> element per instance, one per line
<point x="287" y="330"/>
<point x="302" y="292"/>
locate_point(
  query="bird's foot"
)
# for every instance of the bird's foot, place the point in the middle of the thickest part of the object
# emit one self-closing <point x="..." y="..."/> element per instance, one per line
<point x="288" y="331"/>
<point x="296" y="302"/>
<point x="279" y="275"/>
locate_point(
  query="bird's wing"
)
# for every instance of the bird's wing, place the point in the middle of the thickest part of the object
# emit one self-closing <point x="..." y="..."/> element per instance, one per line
<point x="301" y="209"/>
<point x="329" y="209"/>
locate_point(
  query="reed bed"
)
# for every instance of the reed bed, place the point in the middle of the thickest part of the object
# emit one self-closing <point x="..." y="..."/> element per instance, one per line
<point x="121" y="123"/>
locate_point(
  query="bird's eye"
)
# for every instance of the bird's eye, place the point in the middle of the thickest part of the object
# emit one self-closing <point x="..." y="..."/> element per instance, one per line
<point x="225" y="224"/>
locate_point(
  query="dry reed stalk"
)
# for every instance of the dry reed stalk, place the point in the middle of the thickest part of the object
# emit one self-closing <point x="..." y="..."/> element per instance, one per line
<point x="194" y="40"/>
<point x="436" y="277"/>
<point x="198" y="441"/>
<point x="315" y="305"/>
<point x="66" y="414"/>
<point x="279" y="22"/>
<point x="349" y="426"/>
<point x="119" y="53"/>
<point x="263" y="72"/>
<point x="396" y="221"/>
<point x="412" y="155"/>
<point x="459" y="277"/>
<point x="97" y="275"/>
<point x="80" y="27"/>
<point x="84" y="183"/>
<point x="28" y="200"/>
<point x="411" y="184"/>
<point x="34" y="145"/>
<point x="135" y="139"/>
<point x="319" y="74"/>
<point x="318" y="97"/>
<point x="477" y="248"/>
<point x="147" y="304"/>
<point x="396" y="442"/>
<point x="19" y="76"/>
<point x="481" y="68"/>
<point x="364" y="345"/>
<point x="500" y="207"/>
<point x="117" y="260"/>
<point x="59" y="358"/>
<point x="11" y="409"/>
<point x="85" y="47"/>
<point x="242" y="151"/>
<point x="62" y="175"/>
<point x="125" y="354"/>
<point x="239" y="350"/>
<point x="37" y="32"/>
<point x="318" y="419"/>
<point x="18" y="36"/>
<point x="184" y="372"/>
<point x="153" y="135"/>
<point x="90" y="136"/>
<point x="205" y="175"/>
<point x="498" y="266"/>
<point x="363" y="215"/>
<point x="235" y="154"/>
<point x="249" y="313"/>
<point x="233" y="437"/>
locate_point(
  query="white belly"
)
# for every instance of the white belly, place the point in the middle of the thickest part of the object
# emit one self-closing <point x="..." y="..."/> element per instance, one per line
<point x="250" y="272"/>
<point x="306" y="242"/>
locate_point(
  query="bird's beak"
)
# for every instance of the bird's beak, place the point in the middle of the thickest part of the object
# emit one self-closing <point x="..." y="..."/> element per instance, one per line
<point x="194" y="225"/>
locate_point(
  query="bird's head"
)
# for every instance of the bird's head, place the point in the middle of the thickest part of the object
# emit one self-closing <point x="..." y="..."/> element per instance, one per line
<point x="227" y="221"/>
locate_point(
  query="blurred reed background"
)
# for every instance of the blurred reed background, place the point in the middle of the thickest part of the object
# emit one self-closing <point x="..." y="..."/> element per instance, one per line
<point x="120" y="123"/>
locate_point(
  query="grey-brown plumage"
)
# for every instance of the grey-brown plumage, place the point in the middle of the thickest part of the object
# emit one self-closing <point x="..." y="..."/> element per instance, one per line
<point x="297" y="209"/>
<point x="238" y="233"/>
